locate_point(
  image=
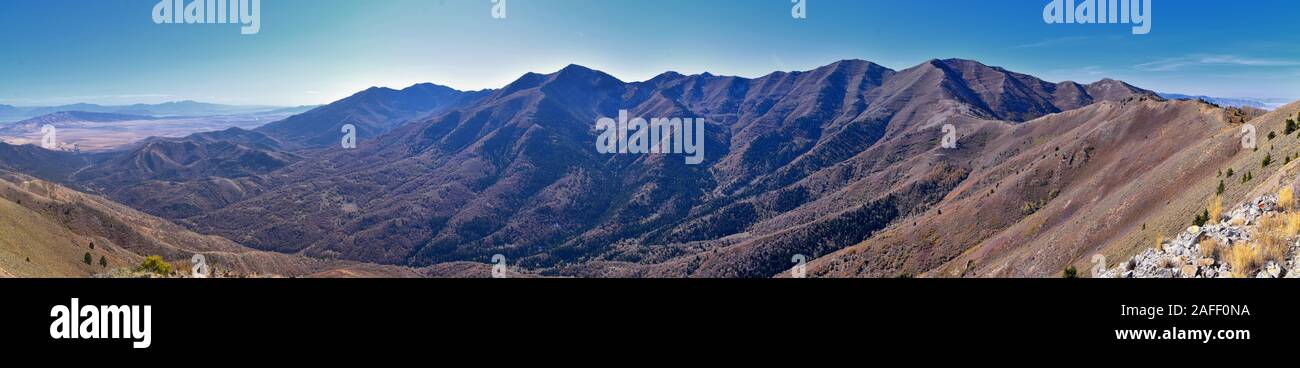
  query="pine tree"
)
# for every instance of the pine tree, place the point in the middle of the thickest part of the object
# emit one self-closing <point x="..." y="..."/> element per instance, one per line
<point x="1070" y="273"/>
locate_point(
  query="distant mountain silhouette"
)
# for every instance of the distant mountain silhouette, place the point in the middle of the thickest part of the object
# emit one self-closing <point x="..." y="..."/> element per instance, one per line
<point x="177" y="108"/>
<point x="1267" y="104"/>
<point x="85" y="116"/>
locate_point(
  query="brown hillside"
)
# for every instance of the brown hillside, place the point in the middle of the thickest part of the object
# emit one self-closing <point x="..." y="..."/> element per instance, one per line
<point x="1070" y="185"/>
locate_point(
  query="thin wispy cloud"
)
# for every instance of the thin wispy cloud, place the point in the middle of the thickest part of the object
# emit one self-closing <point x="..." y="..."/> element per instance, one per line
<point x="1182" y="63"/>
<point x="1052" y="42"/>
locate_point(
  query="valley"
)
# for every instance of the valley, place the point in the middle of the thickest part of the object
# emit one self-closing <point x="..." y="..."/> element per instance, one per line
<point x="77" y="132"/>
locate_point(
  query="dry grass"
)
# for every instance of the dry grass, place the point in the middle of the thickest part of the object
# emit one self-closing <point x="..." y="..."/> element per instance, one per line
<point x="1273" y="251"/>
<point x="1292" y="224"/>
<point x="1160" y="243"/>
<point x="1209" y="248"/>
<point x="1216" y="210"/>
<point x="1270" y="223"/>
<point x="1286" y="198"/>
<point x="1272" y="236"/>
<point x="1244" y="260"/>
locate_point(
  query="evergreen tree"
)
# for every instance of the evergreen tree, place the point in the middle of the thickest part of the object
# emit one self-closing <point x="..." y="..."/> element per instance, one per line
<point x="1071" y="273"/>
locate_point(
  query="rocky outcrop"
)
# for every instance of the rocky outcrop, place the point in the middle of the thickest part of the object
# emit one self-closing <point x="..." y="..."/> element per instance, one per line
<point x="1182" y="257"/>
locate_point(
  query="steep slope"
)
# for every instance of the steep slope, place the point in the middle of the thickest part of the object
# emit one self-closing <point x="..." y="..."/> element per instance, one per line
<point x="46" y="229"/>
<point x="1098" y="179"/>
<point x="42" y="163"/>
<point x="796" y="163"/>
<point x="373" y="112"/>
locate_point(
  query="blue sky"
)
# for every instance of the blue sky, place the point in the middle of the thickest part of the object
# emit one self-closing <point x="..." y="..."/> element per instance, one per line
<point x="317" y="51"/>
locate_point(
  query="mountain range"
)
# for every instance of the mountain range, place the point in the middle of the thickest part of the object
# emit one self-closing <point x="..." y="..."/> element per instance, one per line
<point x="168" y="109"/>
<point x="842" y="165"/>
<point x="1258" y="103"/>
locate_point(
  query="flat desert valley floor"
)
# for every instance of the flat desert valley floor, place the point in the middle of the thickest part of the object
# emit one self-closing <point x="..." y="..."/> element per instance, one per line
<point x="102" y="136"/>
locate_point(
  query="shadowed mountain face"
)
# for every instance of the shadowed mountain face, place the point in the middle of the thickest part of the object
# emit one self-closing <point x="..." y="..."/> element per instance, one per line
<point x="182" y="177"/>
<point x="795" y="163"/>
<point x="372" y="112"/>
<point x="39" y="162"/>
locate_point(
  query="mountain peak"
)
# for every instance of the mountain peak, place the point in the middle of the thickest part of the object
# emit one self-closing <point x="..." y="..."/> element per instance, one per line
<point x="1112" y="89"/>
<point x="575" y="72"/>
<point x="377" y="88"/>
<point x="955" y="63"/>
<point x="854" y="64"/>
<point x="571" y="77"/>
<point x="428" y="86"/>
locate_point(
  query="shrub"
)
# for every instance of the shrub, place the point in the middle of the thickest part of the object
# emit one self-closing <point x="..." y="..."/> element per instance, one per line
<point x="1160" y="243"/>
<point x="1202" y="218"/>
<point x="1030" y="208"/>
<point x="103" y="262"/>
<point x="1272" y="135"/>
<point x="1221" y="188"/>
<point x="87" y="258"/>
<point x="156" y="265"/>
<point x="1071" y="273"/>
<point x="1230" y="173"/>
<point x="1268" y="159"/>
<point x="1290" y="126"/>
